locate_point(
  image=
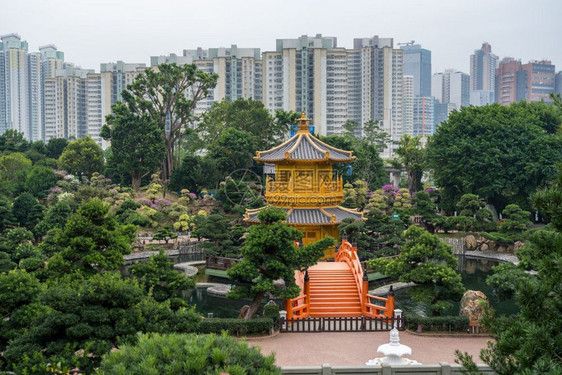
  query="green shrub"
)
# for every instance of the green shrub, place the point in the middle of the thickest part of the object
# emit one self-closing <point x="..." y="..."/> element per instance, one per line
<point x="437" y="323"/>
<point x="187" y="355"/>
<point x="503" y="238"/>
<point x="135" y="218"/>
<point x="31" y="264"/>
<point x="236" y="326"/>
<point x="5" y="263"/>
<point x="271" y="310"/>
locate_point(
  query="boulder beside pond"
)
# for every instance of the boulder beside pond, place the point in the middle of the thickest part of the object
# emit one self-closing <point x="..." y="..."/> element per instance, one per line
<point x="472" y="305"/>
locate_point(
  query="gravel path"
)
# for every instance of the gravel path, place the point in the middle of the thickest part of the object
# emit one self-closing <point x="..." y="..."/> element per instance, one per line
<point x="354" y="349"/>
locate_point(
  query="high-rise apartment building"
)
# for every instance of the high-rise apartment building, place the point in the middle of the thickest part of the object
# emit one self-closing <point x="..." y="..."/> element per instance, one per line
<point x="120" y="75"/>
<point x="408" y="104"/>
<point x="442" y="112"/>
<point x="423" y="116"/>
<point x="76" y="103"/>
<point x="451" y="87"/>
<point x="417" y="63"/>
<point x="483" y="64"/>
<point x="509" y="81"/>
<point x="558" y="83"/>
<point x="14" y="85"/>
<point x="481" y="97"/>
<point x="65" y="104"/>
<point x="34" y="97"/>
<point x="533" y="82"/>
<point x="540" y="80"/>
<point x="51" y="61"/>
<point x="295" y="77"/>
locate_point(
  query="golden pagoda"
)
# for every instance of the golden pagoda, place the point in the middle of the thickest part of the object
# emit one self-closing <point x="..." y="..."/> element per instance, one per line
<point x="305" y="185"/>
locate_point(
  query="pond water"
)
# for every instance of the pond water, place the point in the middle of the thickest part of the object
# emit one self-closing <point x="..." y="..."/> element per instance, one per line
<point x="221" y="307"/>
<point x="474" y="272"/>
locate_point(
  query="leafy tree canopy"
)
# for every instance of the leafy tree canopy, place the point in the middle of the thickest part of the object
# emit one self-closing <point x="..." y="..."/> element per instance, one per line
<point x="233" y="150"/>
<point x="158" y="276"/>
<point x="501" y="153"/>
<point x="244" y="115"/>
<point x="223" y="238"/>
<point x="168" y="94"/>
<point x="39" y="180"/>
<point x="194" y="174"/>
<point x="13" y="141"/>
<point x="410" y="154"/>
<point x="27" y="211"/>
<point x="368" y="165"/>
<point x="137" y="146"/>
<point x="82" y="157"/>
<point x="55" y="147"/>
<point x="13" y="169"/>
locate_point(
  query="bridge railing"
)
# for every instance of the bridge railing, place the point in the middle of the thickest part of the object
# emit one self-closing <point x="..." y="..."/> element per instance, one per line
<point x="371" y="306"/>
<point x="375" y="306"/>
<point x="348" y="253"/>
<point x="299" y="307"/>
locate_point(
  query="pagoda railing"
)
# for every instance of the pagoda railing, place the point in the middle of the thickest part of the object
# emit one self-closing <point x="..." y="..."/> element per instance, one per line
<point x="285" y="186"/>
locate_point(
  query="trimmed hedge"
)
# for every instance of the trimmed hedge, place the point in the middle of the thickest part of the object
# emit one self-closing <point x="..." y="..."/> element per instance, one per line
<point x="236" y="326"/>
<point x="438" y="323"/>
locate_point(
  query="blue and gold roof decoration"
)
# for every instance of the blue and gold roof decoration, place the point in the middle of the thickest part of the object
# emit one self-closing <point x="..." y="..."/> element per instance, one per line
<point x="304" y="147"/>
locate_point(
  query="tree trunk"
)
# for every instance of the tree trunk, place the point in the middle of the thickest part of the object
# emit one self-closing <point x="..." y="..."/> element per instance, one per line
<point x="136" y="182"/>
<point x="255" y="305"/>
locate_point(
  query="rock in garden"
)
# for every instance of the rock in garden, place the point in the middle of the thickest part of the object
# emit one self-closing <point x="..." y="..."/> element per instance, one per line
<point x="243" y="311"/>
<point x="518" y="245"/>
<point x="471" y="242"/>
<point x="472" y="304"/>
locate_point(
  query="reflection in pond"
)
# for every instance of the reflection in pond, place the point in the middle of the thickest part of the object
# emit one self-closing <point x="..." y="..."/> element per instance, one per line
<point x="221" y="307"/>
<point x="474" y="272"/>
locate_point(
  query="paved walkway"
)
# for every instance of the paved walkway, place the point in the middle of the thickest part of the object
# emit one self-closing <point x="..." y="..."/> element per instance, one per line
<point x="354" y="349"/>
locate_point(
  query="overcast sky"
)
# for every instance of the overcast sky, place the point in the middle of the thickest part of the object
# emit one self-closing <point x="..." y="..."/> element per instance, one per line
<point x="91" y="32"/>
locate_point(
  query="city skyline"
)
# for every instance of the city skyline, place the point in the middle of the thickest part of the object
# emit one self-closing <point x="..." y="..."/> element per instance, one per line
<point x="92" y="33"/>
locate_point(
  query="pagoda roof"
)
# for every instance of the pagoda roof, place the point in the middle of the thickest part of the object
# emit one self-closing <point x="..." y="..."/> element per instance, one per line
<point x="315" y="216"/>
<point x="304" y="147"/>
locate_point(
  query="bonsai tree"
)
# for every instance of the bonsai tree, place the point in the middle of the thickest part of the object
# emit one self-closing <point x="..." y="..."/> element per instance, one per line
<point x="165" y="234"/>
<point x="269" y="255"/>
<point x="516" y="220"/>
<point x="430" y="264"/>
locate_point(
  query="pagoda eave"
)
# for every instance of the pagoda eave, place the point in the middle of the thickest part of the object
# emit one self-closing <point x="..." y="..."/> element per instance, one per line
<point x="329" y="216"/>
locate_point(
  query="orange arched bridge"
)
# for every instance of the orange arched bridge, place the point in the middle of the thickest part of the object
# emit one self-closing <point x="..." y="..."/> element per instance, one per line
<point x="338" y="289"/>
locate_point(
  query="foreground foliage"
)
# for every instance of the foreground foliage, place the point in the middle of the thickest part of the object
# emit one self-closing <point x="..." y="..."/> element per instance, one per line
<point x="85" y="319"/>
<point x="188" y="355"/>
